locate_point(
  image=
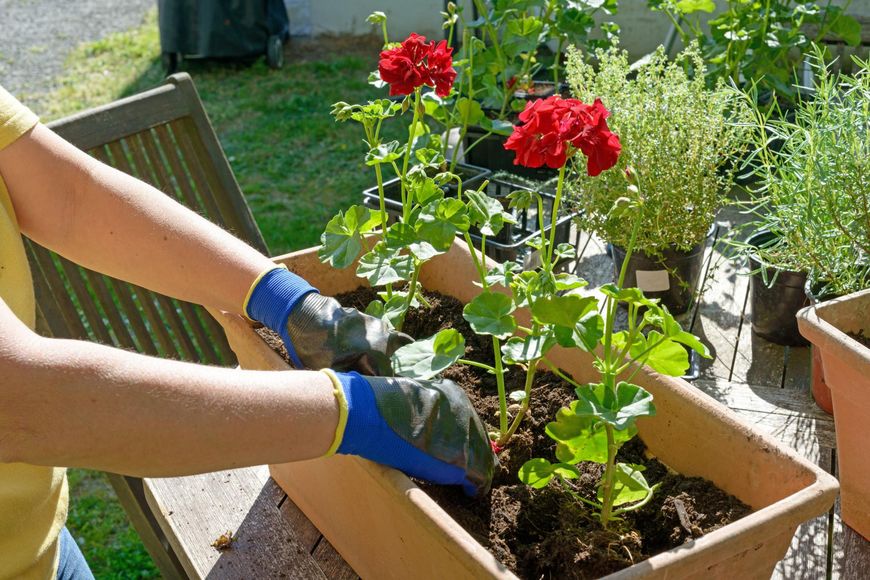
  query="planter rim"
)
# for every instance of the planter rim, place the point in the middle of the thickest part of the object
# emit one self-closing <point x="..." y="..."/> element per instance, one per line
<point x="791" y="508"/>
<point x="815" y="326"/>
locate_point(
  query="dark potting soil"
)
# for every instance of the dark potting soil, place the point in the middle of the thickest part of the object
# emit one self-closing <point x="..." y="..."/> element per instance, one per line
<point x="860" y="336"/>
<point x="545" y="533"/>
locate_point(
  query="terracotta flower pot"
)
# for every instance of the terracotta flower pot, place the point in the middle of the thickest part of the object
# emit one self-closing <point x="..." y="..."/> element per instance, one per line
<point x="847" y="373"/>
<point x="386" y="527"/>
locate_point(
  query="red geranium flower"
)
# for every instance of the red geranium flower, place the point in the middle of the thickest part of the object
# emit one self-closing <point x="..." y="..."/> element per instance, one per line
<point x="415" y="63"/>
<point x="553" y="127"/>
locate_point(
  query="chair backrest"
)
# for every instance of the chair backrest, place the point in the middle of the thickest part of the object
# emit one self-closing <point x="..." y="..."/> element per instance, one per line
<point x="161" y="136"/>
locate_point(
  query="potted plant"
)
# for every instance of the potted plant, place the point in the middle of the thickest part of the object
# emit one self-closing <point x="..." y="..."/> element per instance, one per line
<point x="509" y="49"/>
<point x="838" y="330"/>
<point x="763" y="43"/>
<point x="813" y="199"/>
<point x="396" y="530"/>
<point x="684" y="134"/>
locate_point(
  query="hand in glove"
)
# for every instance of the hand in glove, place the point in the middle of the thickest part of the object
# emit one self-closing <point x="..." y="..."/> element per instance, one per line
<point x="426" y="429"/>
<point x="317" y="331"/>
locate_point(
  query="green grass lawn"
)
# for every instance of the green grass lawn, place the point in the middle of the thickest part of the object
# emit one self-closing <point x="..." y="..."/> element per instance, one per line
<point x="296" y="166"/>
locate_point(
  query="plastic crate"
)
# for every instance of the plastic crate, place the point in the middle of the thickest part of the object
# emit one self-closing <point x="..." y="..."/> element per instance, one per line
<point x="510" y="244"/>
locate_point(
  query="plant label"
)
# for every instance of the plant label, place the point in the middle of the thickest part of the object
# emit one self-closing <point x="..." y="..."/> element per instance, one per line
<point x="653" y="280"/>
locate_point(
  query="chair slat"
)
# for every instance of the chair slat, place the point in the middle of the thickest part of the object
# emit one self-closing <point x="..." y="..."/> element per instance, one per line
<point x="144" y="337"/>
<point x="82" y="295"/>
<point x="110" y="308"/>
<point x="61" y="315"/>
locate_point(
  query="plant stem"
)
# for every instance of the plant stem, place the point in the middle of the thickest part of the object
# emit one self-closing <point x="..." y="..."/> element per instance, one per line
<point x="412" y="291"/>
<point x="555" y="212"/>
<point x="412" y="133"/>
<point x="609" y="472"/>
<point x="527" y="389"/>
<point x="502" y="396"/>
<point x="381" y="196"/>
<point x="479" y="365"/>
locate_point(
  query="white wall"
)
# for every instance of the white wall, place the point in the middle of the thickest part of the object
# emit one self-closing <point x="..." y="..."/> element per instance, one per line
<point x="642" y="30"/>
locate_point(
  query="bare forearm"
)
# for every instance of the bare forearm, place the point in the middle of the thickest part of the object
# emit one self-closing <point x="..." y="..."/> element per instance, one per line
<point x="113" y="223"/>
<point x="72" y="403"/>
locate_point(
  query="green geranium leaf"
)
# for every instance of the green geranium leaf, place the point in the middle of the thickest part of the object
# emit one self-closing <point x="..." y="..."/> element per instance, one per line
<point x="567" y="281"/>
<point x="668" y="357"/>
<point x="531" y="347"/>
<point x="399" y="235"/>
<point x="341" y="241"/>
<point x="584" y="335"/>
<point x="490" y="313"/>
<point x="536" y="472"/>
<point x="847" y="28"/>
<point x="582" y="437"/>
<point x="385" y="266"/>
<point x="690" y="6"/>
<point x="496" y="126"/>
<point x="662" y="319"/>
<point x="629" y="295"/>
<point x="502" y="274"/>
<point x="487" y="213"/>
<point x="565" y="252"/>
<point x="523" y="199"/>
<point x="424" y="359"/>
<point x="439" y="222"/>
<point x="469" y="110"/>
<point x="562" y="310"/>
<point x="431" y="158"/>
<point x="620" y="410"/>
<point x="384" y="153"/>
<point x="629" y="485"/>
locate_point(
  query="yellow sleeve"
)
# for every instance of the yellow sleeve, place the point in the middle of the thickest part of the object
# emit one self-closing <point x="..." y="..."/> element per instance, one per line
<point x="15" y="118"/>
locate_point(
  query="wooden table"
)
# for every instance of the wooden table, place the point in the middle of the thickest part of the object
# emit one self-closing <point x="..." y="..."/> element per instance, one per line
<point x="766" y="384"/>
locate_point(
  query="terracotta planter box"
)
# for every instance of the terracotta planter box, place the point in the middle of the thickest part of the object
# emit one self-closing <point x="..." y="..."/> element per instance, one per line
<point x="846" y="364"/>
<point x="386" y="527"/>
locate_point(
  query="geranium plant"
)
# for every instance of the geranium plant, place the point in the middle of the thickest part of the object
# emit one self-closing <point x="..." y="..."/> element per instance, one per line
<point x="429" y="219"/>
<point x="553" y="131"/>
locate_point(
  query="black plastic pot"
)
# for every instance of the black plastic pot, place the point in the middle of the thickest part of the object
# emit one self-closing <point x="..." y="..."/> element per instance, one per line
<point x="775" y="297"/>
<point x="672" y="278"/>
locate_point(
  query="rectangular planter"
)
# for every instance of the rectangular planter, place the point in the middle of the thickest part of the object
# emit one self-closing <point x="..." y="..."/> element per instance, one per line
<point x="846" y="364"/>
<point x="386" y="527"/>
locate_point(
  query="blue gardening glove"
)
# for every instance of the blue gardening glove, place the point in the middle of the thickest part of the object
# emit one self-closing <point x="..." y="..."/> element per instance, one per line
<point x="426" y="429"/>
<point x="317" y="331"/>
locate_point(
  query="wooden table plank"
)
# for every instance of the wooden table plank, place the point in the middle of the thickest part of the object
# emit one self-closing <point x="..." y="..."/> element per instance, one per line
<point x="719" y="316"/>
<point x="850" y="554"/>
<point x="757" y="360"/>
<point x="194" y="511"/>
<point x="808" y="555"/>
<point x="790" y="416"/>
<point x="797" y="370"/>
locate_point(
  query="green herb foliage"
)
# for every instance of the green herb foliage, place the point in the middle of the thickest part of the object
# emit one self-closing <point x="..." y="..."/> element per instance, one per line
<point x="761" y="41"/>
<point x="673" y="126"/>
<point x="813" y="182"/>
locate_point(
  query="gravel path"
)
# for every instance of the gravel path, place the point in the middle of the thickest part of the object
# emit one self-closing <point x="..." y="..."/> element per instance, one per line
<point x="37" y="35"/>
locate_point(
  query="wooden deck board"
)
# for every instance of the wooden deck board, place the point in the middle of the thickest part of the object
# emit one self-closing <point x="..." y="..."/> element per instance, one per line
<point x="195" y="511"/>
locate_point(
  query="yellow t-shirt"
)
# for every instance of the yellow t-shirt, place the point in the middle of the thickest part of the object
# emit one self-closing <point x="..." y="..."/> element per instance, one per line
<point x="33" y="500"/>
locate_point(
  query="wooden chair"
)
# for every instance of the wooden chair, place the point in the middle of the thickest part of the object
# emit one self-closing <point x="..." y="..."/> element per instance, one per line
<point x="163" y="137"/>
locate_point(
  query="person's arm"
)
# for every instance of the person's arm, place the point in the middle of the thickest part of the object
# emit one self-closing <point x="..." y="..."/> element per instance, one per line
<point x="113" y="223"/>
<point x="77" y="404"/>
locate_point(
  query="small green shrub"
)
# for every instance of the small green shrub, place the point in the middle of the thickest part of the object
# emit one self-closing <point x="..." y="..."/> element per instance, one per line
<point x="678" y="130"/>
